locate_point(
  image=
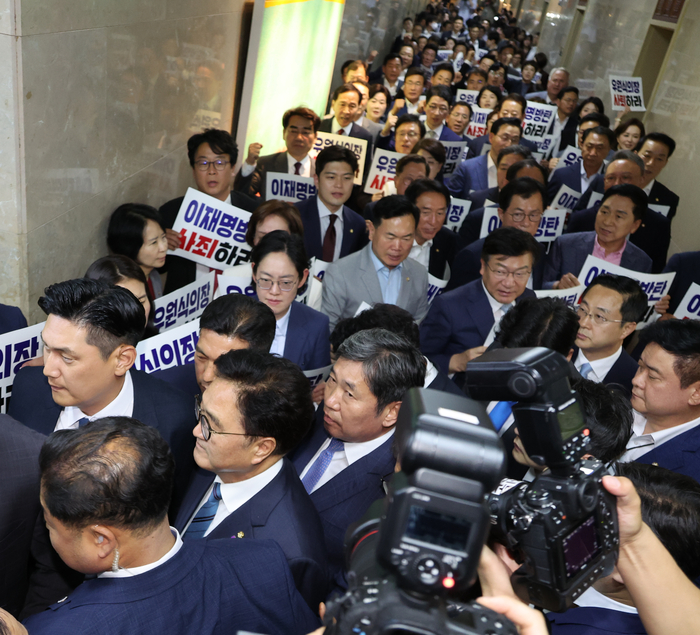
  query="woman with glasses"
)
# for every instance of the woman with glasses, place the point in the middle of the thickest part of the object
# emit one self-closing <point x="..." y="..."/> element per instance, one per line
<point x="280" y="271"/>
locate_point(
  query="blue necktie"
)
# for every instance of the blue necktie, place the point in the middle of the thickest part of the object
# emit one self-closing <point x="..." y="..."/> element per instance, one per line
<point x="500" y="413"/>
<point x="83" y="422"/>
<point x="585" y="370"/>
<point x="200" y="523"/>
<point x="320" y="465"/>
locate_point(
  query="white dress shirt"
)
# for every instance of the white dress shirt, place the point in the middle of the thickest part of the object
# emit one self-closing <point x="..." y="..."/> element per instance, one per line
<point x="640" y="443"/>
<point x="421" y="253"/>
<point x="594" y="599"/>
<point x="335" y="128"/>
<point x="121" y="406"/>
<point x="433" y="134"/>
<point x="600" y="367"/>
<point x="130" y="573"/>
<point x="431" y="372"/>
<point x="324" y="215"/>
<point x="280" y="340"/>
<point x="499" y="310"/>
<point x="492" y="171"/>
<point x="585" y="179"/>
<point x="305" y="170"/>
<point x="647" y="189"/>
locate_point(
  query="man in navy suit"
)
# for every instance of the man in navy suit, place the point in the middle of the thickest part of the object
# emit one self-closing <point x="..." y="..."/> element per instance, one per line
<point x="666" y="398"/>
<point x="105" y="493"/>
<point x="563" y="127"/>
<point x="609" y="310"/>
<point x="11" y="319"/>
<point x="255" y="411"/>
<point x="228" y="323"/>
<point x="299" y="128"/>
<point x="620" y="214"/>
<point x="90" y="341"/>
<point x="353" y="433"/>
<point x="480" y="172"/>
<point x="687" y="268"/>
<point x="437" y="107"/>
<point x="331" y="229"/>
<point x="462" y="323"/>
<point x="656" y="149"/>
<point x="389" y="73"/>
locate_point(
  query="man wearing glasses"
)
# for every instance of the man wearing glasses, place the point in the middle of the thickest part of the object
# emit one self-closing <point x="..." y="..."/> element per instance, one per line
<point x="436" y="109"/>
<point x="257" y="409"/>
<point x="213" y="155"/>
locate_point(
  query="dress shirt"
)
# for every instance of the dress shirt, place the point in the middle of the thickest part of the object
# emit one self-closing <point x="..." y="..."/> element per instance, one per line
<point x="647" y="189"/>
<point x="640" y="443"/>
<point x="591" y="598"/>
<point x="281" y="327"/>
<point x="614" y="257"/>
<point x="600" y="367"/>
<point x="437" y="132"/>
<point x="492" y="171"/>
<point x="305" y="170"/>
<point x="389" y="279"/>
<point x="324" y="215"/>
<point x="121" y="406"/>
<point x="393" y="88"/>
<point x="585" y="179"/>
<point x="335" y="128"/>
<point x="557" y="128"/>
<point x="130" y="573"/>
<point x="431" y="372"/>
<point x="421" y="253"/>
<point x="351" y="452"/>
<point x="412" y="109"/>
<point x="499" y="310"/>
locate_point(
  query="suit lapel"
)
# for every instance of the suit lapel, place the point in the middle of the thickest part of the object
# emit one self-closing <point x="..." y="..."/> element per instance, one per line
<point x="406" y="290"/>
<point x="370" y="278"/>
<point x="480" y="310"/>
<point x="312" y="228"/>
<point x="296" y="335"/>
<point x="200" y="483"/>
<point x="348" y="232"/>
<point x="281" y="164"/>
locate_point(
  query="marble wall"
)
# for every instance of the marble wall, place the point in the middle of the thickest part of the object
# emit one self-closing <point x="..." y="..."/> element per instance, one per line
<point x="554" y="29"/>
<point x="102" y="99"/>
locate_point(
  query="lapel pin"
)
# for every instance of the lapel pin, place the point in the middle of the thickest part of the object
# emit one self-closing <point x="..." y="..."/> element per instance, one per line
<point x="240" y="534"/>
<point x="352" y="231"/>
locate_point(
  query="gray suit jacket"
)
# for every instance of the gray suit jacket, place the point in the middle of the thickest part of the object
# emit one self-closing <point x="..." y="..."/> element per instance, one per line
<point x="353" y="280"/>
<point x="373" y="128"/>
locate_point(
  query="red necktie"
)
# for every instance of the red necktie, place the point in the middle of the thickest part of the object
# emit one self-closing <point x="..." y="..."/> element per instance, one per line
<point x="297" y="167"/>
<point x="341" y="131"/>
<point x="328" y="250"/>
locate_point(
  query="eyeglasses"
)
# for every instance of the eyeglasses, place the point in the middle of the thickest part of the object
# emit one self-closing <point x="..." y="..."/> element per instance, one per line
<point x="203" y="164"/>
<point x="597" y="318"/>
<point x="414" y="84"/>
<point x="409" y="135"/>
<point x="284" y="285"/>
<point x="502" y="274"/>
<point x="512" y="139"/>
<point x="436" y="108"/>
<point x="204" y="422"/>
<point x="518" y="217"/>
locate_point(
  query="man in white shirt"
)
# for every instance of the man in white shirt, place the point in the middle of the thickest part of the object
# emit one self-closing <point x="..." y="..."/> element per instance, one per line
<point x="666" y="398"/>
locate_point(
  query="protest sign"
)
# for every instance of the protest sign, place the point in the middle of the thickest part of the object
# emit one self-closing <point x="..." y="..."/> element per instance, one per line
<point x="689" y="308"/>
<point x="185" y="304"/>
<point x="435" y="287"/>
<point x="570" y="296"/>
<point x="538" y="120"/>
<point x="459" y="208"/>
<point x="571" y="155"/>
<point x="468" y="96"/>
<point x="382" y="171"/>
<point x="662" y="209"/>
<point x="453" y="151"/>
<point x="490" y="221"/>
<point x="318" y="375"/>
<point x="566" y="198"/>
<point x="235" y="284"/>
<point x="357" y="146"/>
<point x="477" y="125"/>
<point x="594" y="198"/>
<point x="289" y="187"/>
<point x="544" y="145"/>
<point x="627" y="92"/>
<point x="17" y="347"/>
<point x="165" y="350"/>
<point x="551" y="225"/>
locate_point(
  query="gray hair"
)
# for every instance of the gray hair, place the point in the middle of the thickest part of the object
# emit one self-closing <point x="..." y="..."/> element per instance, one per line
<point x="560" y="68"/>
<point x="628" y="155"/>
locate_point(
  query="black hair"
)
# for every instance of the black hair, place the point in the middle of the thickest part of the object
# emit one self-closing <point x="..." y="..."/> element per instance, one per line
<point x="506" y="121"/>
<point x="274" y="207"/>
<point x="401" y="121"/>
<point x="636" y="194"/>
<point x="680" y="338"/>
<point x="510" y="242"/>
<point x="597" y="117"/>
<point x="475" y="70"/>
<point x="525" y="187"/>
<point x="414" y="70"/>
<point x="111" y="315"/>
<point x="236" y="315"/>
<point x="494" y="91"/>
<point x="379" y="88"/>
<point x="433" y="147"/>
<point x="116" y="471"/>
<point x="220" y="142"/>
<point x="659" y="137"/>
<point x="627" y="155"/>
<point x="466" y="105"/>
<point x="445" y="66"/>
<point x="126" y="226"/>
<point x="407" y="159"/>
<point x="346" y="88"/>
<point x="634" y="300"/>
<point x="301" y="111"/>
<point x="596" y="101"/>
<point x="384" y="316"/>
<point x="390" y="364"/>
<point x="513" y="170"/>
<point x="443" y="92"/>
<point x="567" y="89"/>
<point x="393" y="207"/>
<point x="335" y="153"/>
<point x="279" y="241"/>
<point x="622" y="128"/>
<point x="600" y="130"/>
<point x="516" y="97"/>
<point x="517" y="149"/>
<point x="421" y="186"/>
<point x="391" y="56"/>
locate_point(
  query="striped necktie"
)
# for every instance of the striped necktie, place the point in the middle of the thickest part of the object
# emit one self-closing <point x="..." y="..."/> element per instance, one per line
<point x="320" y="465"/>
<point x="200" y="523"/>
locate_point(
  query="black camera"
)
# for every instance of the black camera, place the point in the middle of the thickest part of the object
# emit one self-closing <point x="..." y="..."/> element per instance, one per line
<point x="408" y="561"/>
<point x="563" y="525"/>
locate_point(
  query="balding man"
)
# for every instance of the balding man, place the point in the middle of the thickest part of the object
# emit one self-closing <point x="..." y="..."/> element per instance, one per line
<point x="558" y="79"/>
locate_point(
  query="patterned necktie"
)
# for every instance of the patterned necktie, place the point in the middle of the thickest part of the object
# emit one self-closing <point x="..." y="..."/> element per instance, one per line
<point x="500" y="413"/>
<point x="297" y="167"/>
<point x="431" y="134"/>
<point x="328" y="249"/>
<point x="320" y="465"/>
<point x="83" y="422"/>
<point x="200" y="523"/>
<point x="585" y="370"/>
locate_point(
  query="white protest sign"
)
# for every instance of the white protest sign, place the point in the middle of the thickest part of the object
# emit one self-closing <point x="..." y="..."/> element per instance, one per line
<point x="185" y="304"/>
<point x="689" y="308"/>
<point x="627" y="92"/>
<point x="235" y="284"/>
<point x="383" y="170"/>
<point x="490" y="221"/>
<point x="443" y="54"/>
<point x="544" y="145"/>
<point x="363" y="307"/>
<point x="453" y="151"/>
<point x="662" y="209"/>
<point x="205" y="119"/>
<point x="594" y="198"/>
<point x="655" y="285"/>
<point x="173" y="348"/>
<point x="459" y="208"/>
<point x="17" y="347"/>
<point x="566" y="198"/>
<point x="435" y="287"/>
<point x="477" y="125"/>
<point x="551" y="225"/>
<point x="357" y="146"/>
<point x="571" y="155"/>
<point x="289" y="187"/>
<point x="468" y="96"/>
<point x="538" y="119"/>
<point x="570" y="296"/>
<point x="485" y="149"/>
<point x="212" y="232"/>
<point x="318" y="375"/>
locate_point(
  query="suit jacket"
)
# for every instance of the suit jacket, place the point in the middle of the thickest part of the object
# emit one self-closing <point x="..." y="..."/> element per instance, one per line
<point x="569" y="252"/>
<point x="470" y="230"/>
<point x="353" y="280"/>
<point x="156" y="404"/>
<point x="183" y="377"/>
<point x="11" y="319"/>
<point x="445" y="384"/>
<point x="568" y="134"/>
<point x="282" y="511"/>
<point x="358" y="132"/>
<point x="448" y="135"/>
<point x="345" y="498"/>
<point x="255" y="184"/>
<point x="479" y="198"/>
<point x="471" y="174"/>
<point x="180" y="270"/>
<point x="680" y="454"/>
<point x="621" y="373"/>
<point x="442" y="252"/>
<point x="458" y="320"/>
<point x="373" y="128"/>
<point x="570" y="176"/>
<point x="687" y="268"/>
<point x="595" y="621"/>
<point x="476" y="145"/>
<point x="354" y="229"/>
<point x="205" y="588"/>
<point x="661" y="195"/>
<point x="308" y="338"/>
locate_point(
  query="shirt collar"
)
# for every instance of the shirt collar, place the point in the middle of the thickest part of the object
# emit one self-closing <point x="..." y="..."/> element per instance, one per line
<point x="335" y="127"/>
<point x="591" y="598"/>
<point x="121" y="406"/>
<point x="129" y="573"/>
<point x="647" y="189"/>
<point x="493" y="303"/>
<point x="437" y="131"/>
<point x="612" y="253"/>
<point x="355" y="451"/>
<point x="233" y="495"/>
<point x="601" y="367"/>
<point x="426" y="245"/>
<point x="283" y="323"/>
<point x="323" y="211"/>
<point x="291" y="162"/>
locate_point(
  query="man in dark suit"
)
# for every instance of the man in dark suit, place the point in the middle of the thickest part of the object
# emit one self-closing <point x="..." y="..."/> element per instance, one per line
<point x="620" y="214"/>
<point x="437" y="107"/>
<point x="228" y="323"/>
<point x="105" y="492"/>
<point x="331" y="229"/>
<point x="299" y="126"/>
<point x="609" y="310"/>
<point x="388" y="75"/>
<point x="255" y="411"/>
<point x="213" y="155"/>
<point x="687" y="268"/>
<point x="666" y="398"/>
<point x="461" y="323"/>
<point x="434" y="246"/>
<point x="558" y="79"/>
<point x="11" y="319"/>
<point x="656" y="149"/>
<point x="90" y="341"/>
<point x="348" y="456"/>
<point x="565" y="121"/>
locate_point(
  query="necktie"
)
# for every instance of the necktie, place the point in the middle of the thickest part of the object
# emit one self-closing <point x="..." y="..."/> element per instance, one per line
<point x="585" y="370"/>
<point x="341" y="132"/>
<point x="200" y="523"/>
<point x="328" y="249"/>
<point x="297" y="167"/>
<point x="83" y="422"/>
<point x="500" y="413"/>
<point x="431" y="134"/>
<point x="320" y="465"/>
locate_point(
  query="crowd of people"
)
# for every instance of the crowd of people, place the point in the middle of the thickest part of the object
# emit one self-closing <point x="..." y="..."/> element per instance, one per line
<point x="215" y="496"/>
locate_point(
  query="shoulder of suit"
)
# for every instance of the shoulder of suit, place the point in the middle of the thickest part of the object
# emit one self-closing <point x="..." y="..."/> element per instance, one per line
<point x="157" y="389"/>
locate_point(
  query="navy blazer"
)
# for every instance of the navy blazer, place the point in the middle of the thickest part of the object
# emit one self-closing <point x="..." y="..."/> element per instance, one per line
<point x="11" y="319"/>
<point x="282" y="511"/>
<point x="471" y="174"/>
<point x="308" y="338"/>
<point x="449" y="135"/>
<point x="570" y="176"/>
<point x="476" y="145"/>
<point x="621" y="373"/>
<point x="569" y="252"/>
<point x="346" y="497"/>
<point x="687" y="268"/>
<point x="457" y="321"/>
<point x="354" y="229"/>
<point x="209" y="587"/>
<point x="442" y="252"/>
<point x="156" y="404"/>
<point x="680" y="454"/>
<point x="445" y="384"/>
<point x="182" y="377"/>
<point x="479" y="198"/>
<point x="589" y="620"/>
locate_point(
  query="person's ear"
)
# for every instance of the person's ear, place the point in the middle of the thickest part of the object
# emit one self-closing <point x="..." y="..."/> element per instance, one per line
<point x="263" y="448"/>
<point x="694" y="399"/>
<point x="636" y="225"/>
<point x="103" y="540"/>
<point x="570" y="355"/>
<point x="391" y="413"/>
<point x="627" y="329"/>
<point x="125" y="358"/>
<point x="371" y="229"/>
<point x="501" y="214"/>
<point x="304" y="278"/>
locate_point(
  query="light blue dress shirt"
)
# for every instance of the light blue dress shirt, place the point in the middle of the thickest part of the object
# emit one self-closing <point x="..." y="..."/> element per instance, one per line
<point x="389" y="279"/>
